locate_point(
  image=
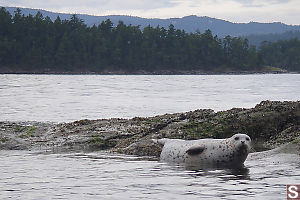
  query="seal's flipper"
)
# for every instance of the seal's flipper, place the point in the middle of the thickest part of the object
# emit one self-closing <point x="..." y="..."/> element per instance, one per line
<point x="161" y="142"/>
<point x="195" y="150"/>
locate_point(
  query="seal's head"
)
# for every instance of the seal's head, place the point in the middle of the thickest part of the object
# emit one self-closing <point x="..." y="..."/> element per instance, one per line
<point x="242" y="142"/>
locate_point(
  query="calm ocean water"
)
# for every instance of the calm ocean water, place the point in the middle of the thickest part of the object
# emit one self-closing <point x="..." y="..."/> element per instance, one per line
<point x="100" y="175"/>
<point x="28" y="175"/>
<point x="64" y="98"/>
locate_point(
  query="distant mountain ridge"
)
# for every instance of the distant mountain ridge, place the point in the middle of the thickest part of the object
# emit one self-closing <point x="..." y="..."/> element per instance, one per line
<point x="189" y="23"/>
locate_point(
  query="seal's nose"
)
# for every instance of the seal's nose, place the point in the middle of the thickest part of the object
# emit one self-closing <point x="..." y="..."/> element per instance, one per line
<point x="243" y="142"/>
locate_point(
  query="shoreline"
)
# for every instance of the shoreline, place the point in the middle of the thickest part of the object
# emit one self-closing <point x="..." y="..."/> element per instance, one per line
<point x="269" y="124"/>
<point x="154" y="74"/>
<point x="157" y="72"/>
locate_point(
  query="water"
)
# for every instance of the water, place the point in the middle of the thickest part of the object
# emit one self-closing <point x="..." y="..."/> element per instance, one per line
<point x="99" y="175"/>
<point x="27" y="175"/>
<point x="64" y="98"/>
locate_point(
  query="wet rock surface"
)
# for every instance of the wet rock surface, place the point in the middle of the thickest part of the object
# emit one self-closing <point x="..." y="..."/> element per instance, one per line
<point x="269" y="124"/>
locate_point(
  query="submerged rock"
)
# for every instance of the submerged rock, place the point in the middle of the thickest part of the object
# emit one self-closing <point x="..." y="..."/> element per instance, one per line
<point x="269" y="124"/>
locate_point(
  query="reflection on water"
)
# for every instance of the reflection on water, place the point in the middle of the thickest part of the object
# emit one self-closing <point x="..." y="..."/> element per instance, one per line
<point x="27" y="175"/>
<point x="233" y="173"/>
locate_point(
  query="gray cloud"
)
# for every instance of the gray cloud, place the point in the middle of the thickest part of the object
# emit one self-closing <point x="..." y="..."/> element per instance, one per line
<point x="286" y="11"/>
<point x="99" y="4"/>
<point x="256" y="3"/>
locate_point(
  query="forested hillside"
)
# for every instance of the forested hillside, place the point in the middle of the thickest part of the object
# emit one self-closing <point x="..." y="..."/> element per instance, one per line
<point x="284" y="54"/>
<point x="38" y="44"/>
<point x="190" y="24"/>
<point x="257" y="40"/>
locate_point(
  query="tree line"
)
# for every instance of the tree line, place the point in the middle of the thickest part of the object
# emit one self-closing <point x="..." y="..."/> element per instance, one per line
<point x="38" y="44"/>
<point x="284" y="54"/>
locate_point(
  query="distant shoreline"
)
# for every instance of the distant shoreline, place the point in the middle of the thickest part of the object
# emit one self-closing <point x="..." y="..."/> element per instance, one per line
<point x="160" y="72"/>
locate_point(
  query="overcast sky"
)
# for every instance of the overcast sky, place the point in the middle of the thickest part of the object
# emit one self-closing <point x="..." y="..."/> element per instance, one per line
<point x="286" y="11"/>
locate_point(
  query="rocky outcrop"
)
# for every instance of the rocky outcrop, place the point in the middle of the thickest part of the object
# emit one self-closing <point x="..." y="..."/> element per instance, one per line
<point x="269" y="124"/>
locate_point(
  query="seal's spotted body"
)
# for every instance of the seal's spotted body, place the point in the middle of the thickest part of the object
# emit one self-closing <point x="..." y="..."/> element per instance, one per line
<point x="230" y="151"/>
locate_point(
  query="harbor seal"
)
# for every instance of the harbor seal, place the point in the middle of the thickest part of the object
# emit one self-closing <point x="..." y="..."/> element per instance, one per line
<point x="231" y="151"/>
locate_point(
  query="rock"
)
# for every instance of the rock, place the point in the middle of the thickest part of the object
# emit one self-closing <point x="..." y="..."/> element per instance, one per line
<point x="284" y="150"/>
<point x="143" y="148"/>
<point x="269" y="124"/>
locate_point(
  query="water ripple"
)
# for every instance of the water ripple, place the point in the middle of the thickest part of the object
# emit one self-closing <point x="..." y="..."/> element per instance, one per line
<point x="29" y="175"/>
<point x="64" y="98"/>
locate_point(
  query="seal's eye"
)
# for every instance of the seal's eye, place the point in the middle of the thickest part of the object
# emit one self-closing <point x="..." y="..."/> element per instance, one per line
<point x="247" y="139"/>
<point x="236" y="138"/>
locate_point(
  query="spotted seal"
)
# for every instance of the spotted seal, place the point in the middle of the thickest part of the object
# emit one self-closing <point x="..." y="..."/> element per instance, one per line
<point x="229" y="151"/>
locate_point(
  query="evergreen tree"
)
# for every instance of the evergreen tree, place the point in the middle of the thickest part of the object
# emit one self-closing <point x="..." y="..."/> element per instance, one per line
<point x="35" y="43"/>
